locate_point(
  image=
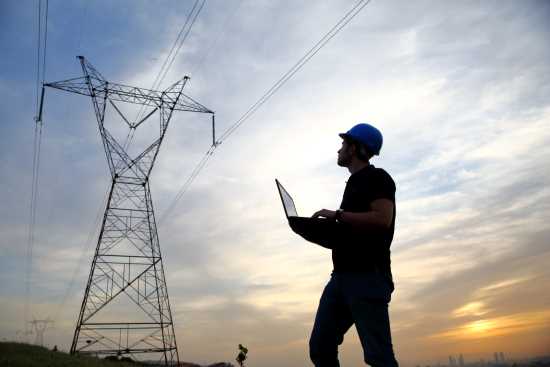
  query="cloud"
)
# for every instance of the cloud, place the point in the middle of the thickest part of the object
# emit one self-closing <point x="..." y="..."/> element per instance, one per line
<point x="472" y="308"/>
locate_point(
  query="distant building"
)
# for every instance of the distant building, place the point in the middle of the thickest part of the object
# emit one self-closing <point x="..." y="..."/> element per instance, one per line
<point x="461" y="360"/>
<point x="452" y="362"/>
<point x="501" y="355"/>
<point x="496" y="358"/>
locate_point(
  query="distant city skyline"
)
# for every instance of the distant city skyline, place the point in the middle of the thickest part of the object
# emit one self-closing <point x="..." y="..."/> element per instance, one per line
<point x="496" y="358"/>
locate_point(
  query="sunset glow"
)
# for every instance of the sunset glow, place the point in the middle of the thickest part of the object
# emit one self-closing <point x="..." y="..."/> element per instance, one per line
<point x="480" y="327"/>
<point x="499" y="326"/>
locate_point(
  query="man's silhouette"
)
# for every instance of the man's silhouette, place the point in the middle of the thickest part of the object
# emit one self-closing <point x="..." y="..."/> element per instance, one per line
<point x="361" y="284"/>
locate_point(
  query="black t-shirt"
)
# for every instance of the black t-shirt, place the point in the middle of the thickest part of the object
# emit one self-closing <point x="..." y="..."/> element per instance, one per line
<point x="361" y="251"/>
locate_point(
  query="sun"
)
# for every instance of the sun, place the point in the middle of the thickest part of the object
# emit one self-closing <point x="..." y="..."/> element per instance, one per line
<point x="480" y="327"/>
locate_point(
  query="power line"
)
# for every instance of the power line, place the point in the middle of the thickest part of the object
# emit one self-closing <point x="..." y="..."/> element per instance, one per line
<point x="181" y="43"/>
<point x="167" y="64"/>
<point x="32" y="218"/>
<point x="45" y="43"/>
<point x="360" y="5"/>
<point x="91" y="232"/>
<point x="198" y="168"/>
<point x="229" y="18"/>
<point x="175" y="48"/>
<point x="82" y="257"/>
<point x="296" y="67"/>
<point x="81" y="26"/>
<point x="37" y="144"/>
<point x="38" y="47"/>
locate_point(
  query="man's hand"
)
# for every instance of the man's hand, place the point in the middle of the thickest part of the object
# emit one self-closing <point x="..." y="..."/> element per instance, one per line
<point x="325" y="213"/>
<point x="379" y="217"/>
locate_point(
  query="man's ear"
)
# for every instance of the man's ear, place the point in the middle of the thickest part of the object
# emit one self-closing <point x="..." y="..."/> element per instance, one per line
<point x="353" y="149"/>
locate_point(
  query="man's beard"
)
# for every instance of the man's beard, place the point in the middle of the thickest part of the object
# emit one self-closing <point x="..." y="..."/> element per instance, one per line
<point x="343" y="160"/>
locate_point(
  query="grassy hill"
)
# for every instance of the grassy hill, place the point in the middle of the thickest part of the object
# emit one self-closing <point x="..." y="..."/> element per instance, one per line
<point x="25" y="355"/>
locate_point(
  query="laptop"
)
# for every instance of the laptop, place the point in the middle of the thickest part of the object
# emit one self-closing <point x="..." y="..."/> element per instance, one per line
<point x="288" y="202"/>
<point x="318" y="230"/>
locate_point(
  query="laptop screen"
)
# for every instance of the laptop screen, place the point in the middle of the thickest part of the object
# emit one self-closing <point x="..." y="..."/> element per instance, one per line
<point x="288" y="203"/>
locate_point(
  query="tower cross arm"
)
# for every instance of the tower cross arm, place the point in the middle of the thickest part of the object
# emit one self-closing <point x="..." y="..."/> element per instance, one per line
<point x="125" y="93"/>
<point x="186" y="103"/>
<point x="169" y="98"/>
<point x="74" y="85"/>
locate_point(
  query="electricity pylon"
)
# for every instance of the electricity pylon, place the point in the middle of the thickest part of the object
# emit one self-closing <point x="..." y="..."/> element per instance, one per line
<point x="39" y="327"/>
<point x="125" y="310"/>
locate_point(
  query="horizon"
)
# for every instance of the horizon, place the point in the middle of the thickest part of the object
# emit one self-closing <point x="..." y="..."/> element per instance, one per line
<point x="467" y="359"/>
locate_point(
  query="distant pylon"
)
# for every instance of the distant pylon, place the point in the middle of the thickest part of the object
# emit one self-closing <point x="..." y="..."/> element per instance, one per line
<point x="125" y="310"/>
<point x="39" y="327"/>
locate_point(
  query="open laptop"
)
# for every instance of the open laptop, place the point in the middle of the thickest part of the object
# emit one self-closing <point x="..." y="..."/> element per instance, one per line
<point x="317" y="230"/>
<point x="288" y="202"/>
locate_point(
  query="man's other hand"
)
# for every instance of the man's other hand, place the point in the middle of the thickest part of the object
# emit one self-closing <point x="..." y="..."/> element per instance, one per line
<point x="325" y="213"/>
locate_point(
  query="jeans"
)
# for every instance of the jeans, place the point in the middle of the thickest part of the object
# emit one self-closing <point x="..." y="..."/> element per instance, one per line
<point x="352" y="298"/>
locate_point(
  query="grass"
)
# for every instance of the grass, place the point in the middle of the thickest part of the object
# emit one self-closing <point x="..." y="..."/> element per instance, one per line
<point x="26" y="355"/>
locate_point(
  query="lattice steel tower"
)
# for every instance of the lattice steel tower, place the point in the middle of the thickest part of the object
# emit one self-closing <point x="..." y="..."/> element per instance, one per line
<point x="125" y="310"/>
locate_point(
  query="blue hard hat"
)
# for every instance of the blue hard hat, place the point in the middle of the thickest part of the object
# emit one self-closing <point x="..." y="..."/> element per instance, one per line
<point x="367" y="135"/>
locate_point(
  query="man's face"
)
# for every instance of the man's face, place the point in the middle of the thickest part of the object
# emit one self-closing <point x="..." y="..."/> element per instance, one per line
<point x="345" y="153"/>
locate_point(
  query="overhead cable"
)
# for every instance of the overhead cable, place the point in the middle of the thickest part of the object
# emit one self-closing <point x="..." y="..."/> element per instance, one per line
<point x="82" y="257"/>
<point x="37" y="144"/>
<point x="198" y="168"/>
<point x="360" y="5"/>
<point x="45" y="43"/>
<point x="296" y="67"/>
<point x="181" y="43"/>
<point x="205" y="55"/>
<point x="80" y="28"/>
<point x="167" y="64"/>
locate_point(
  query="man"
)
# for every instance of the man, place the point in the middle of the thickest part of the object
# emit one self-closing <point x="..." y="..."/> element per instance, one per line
<point x="361" y="284"/>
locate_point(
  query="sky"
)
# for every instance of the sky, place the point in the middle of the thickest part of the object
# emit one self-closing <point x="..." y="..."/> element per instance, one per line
<point x="458" y="89"/>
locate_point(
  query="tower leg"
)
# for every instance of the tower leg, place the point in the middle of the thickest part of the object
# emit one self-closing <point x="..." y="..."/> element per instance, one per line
<point x="126" y="310"/>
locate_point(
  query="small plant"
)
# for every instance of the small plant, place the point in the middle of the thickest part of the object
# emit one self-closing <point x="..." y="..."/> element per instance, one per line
<point x="241" y="357"/>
